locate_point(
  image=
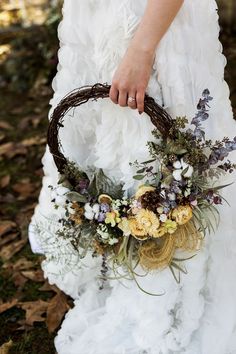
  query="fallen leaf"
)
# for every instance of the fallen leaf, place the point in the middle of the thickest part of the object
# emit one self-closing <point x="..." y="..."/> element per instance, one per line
<point x="4" y="181"/>
<point x="35" y="275"/>
<point x="22" y="264"/>
<point x="8" y="251"/>
<point x="24" y="123"/>
<point x="56" y="310"/>
<point x="17" y="110"/>
<point x="8" y="305"/>
<point x="4" y="349"/>
<point x="18" y="279"/>
<point x="2" y="137"/>
<point x="25" y="188"/>
<point x="37" y="140"/>
<point x="11" y="150"/>
<point x="5" y="125"/>
<point x="35" y="311"/>
<point x="7" y="226"/>
<point x="8" y="198"/>
<point x="7" y="238"/>
<point x="48" y="287"/>
<point x="8" y="232"/>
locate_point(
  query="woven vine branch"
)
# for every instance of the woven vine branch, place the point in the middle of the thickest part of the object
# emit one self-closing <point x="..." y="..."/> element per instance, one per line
<point x="159" y="117"/>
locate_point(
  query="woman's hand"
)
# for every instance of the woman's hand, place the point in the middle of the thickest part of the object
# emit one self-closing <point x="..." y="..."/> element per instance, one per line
<point x="132" y="75"/>
<point x="131" y="78"/>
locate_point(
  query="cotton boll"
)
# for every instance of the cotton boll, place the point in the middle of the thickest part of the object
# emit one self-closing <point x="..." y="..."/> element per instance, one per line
<point x="177" y="175"/>
<point x="89" y="215"/>
<point x="62" y="190"/>
<point x="177" y="165"/>
<point x="163" y="217"/>
<point x="60" y="200"/>
<point x="189" y="172"/>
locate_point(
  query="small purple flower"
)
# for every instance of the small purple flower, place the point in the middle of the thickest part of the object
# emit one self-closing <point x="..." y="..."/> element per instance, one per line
<point x="83" y="183"/>
<point x="82" y="186"/>
<point x="173" y="204"/>
<point x="199" y="133"/>
<point x="105" y="208"/>
<point x="101" y="217"/>
<point x="231" y="145"/>
<point x="218" y="155"/>
<point x="166" y="210"/>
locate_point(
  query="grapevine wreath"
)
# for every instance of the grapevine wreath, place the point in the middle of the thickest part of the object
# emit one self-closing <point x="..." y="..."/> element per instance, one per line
<point x="171" y="211"/>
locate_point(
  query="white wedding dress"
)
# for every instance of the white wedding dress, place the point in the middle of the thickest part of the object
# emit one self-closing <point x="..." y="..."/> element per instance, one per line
<point x="197" y="316"/>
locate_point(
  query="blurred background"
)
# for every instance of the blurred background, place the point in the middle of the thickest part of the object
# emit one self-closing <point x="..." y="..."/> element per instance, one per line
<point x="30" y="309"/>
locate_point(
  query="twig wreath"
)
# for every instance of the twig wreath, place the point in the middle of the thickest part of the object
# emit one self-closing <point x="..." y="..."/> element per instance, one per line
<point x="173" y="210"/>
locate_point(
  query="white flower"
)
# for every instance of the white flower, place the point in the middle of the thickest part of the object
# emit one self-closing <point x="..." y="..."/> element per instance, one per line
<point x="58" y="195"/>
<point x="91" y="212"/>
<point x="163" y="217"/>
<point x="172" y="196"/>
<point x="180" y="166"/>
<point x="163" y="193"/>
<point x="160" y="210"/>
<point x="187" y="192"/>
<point x="62" y="190"/>
<point x="102" y="230"/>
<point x="60" y="200"/>
<point x="113" y="241"/>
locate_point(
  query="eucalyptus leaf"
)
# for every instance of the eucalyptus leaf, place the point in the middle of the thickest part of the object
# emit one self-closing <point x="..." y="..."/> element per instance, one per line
<point x="76" y="197"/>
<point x="149" y="161"/>
<point x="103" y="184"/>
<point x="185" y="170"/>
<point x="142" y="170"/>
<point x="138" y="177"/>
<point x="168" y="180"/>
<point x="180" y="151"/>
<point x="222" y="186"/>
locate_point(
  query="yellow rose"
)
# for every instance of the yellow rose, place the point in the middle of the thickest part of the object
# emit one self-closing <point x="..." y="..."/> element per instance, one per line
<point x="182" y="214"/>
<point x="148" y="220"/>
<point x="143" y="189"/>
<point x="161" y="231"/>
<point x="124" y="225"/>
<point x="112" y="217"/>
<point x="170" y="226"/>
<point x="137" y="230"/>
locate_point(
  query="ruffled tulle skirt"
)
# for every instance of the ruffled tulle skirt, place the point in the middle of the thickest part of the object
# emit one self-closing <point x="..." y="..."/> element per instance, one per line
<point x="197" y="316"/>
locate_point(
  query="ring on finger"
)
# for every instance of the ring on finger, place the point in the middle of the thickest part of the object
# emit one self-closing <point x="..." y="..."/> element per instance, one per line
<point x="131" y="99"/>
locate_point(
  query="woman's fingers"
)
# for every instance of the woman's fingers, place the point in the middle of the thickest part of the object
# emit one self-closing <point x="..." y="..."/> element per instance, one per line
<point x="132" y="103"/>
<point x="113" y="94"/>
<point x="123" y="97"/>
<point x="140" y="100"/>
<point x="120" y="96"/>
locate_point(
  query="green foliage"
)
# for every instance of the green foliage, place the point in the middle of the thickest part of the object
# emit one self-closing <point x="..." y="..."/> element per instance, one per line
<point x="103" y="184"/>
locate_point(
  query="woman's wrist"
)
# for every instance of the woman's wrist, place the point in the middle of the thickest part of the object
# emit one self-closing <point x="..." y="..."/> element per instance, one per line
<point x="142" y="50"/>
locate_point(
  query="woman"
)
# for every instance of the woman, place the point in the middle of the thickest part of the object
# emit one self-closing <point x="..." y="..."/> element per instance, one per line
<point x="169" y="49"/>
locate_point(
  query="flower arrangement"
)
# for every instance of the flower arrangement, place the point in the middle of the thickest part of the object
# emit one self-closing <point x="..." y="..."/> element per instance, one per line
<point x="173" y="208"/>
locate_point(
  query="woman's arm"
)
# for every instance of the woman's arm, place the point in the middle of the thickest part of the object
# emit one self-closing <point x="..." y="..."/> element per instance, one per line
<point x="133" y="73"/>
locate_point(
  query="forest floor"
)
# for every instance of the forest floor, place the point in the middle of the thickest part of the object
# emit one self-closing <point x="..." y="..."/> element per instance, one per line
<point x="31" y="310"/>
